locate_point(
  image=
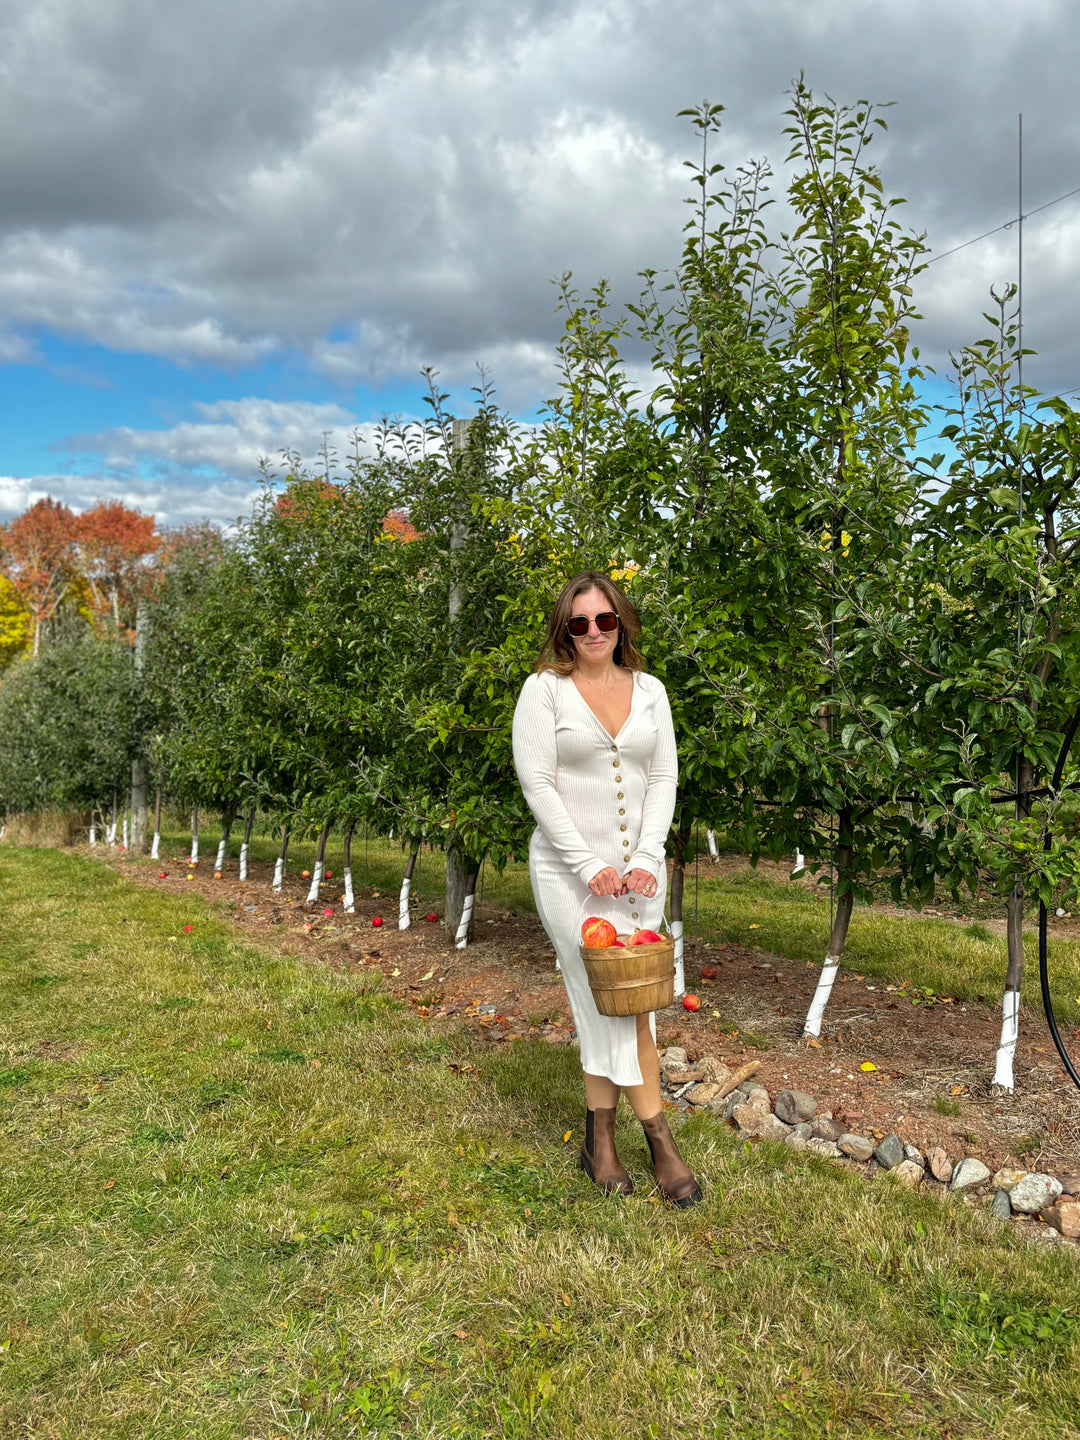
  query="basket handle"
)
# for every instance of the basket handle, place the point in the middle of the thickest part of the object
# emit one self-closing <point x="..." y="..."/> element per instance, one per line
<point x="591" y="899"/>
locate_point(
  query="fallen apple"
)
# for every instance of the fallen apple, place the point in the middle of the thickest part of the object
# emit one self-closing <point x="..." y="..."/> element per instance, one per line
<point x="329" y="874"/>
<point x="305" y="874"/>
<point x="597" y="934"/>
<point x="644" y="937"/>
<point x="376" y="920"/>
<point x="217" y="874"/>
<point x="708" y="972"/>
<point x="328" y="911"/>
<point x="164" y="875"/>
<point x="431" y="917"/>
<point x="691" y="1002"/>
<point x="188" y="927"/>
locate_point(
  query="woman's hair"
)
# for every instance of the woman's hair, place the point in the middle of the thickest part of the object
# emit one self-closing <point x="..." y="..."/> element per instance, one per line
<point x="559" y="652"/>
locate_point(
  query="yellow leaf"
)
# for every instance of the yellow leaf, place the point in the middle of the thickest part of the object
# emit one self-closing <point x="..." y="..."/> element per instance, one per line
<point x="566" y="1137"/>
<point x="451" y="1217"/>
<point x="428" y="976"/>
<point x="755" y="927"/>
<point x="868" y="1065"/>
<point x="815" y="1043"/>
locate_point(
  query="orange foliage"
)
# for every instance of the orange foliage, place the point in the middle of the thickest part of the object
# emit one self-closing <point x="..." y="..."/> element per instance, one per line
<point x="37" y="557"/>
<point x="114" y="545"/>
<point x="398" y="525"/>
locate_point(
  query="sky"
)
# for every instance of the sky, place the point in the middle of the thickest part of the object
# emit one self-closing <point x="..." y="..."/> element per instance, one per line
<point x="227" y="230"/>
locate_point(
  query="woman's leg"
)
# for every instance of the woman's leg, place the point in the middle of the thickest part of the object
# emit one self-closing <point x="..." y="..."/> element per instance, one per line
<point x="600" y="1092"/>
<point x="645" y="1098"/>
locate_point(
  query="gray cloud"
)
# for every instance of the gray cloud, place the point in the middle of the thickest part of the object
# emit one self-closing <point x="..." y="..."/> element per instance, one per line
<point x="383" y="186"/>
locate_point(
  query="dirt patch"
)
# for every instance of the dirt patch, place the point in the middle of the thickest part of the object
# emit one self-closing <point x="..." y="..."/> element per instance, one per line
<point x="930" y="1058"/>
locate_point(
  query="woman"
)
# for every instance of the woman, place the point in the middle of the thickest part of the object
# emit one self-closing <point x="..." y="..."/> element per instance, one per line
<point x="594" y="750"/>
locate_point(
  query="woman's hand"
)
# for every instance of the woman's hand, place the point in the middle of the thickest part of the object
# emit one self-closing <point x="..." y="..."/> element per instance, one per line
<point x="606" y="882"/>
<point x="639" y="882"/>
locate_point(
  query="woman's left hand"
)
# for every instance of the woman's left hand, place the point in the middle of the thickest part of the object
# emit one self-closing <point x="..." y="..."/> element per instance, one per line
<point x="639" y="882"/>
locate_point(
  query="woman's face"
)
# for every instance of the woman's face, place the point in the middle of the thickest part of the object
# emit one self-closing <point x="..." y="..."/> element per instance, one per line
<point x="597" y="646"/>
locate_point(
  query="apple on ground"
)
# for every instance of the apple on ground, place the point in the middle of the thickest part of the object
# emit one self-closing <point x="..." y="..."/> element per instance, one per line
<point x="708" y="972"/>
<point x="431" y="917"/>
<point x="329" y="874"/>
<point x="305" y="874"/>
<point x="164" y="875"/>
<point x="597" y="934"/>
<point x="217" y="874"/>
<point x="376" y="921"/>
<point x="691" y="1002"/>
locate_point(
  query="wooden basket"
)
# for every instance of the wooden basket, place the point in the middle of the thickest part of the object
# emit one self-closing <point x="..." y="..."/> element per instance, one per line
<point x="631" y="979"/>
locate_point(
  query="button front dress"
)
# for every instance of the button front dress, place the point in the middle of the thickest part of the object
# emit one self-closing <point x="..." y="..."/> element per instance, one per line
<point x="598" y="800"/>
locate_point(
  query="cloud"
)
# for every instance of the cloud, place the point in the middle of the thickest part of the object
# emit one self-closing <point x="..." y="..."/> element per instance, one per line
<point x="383" y="186"/>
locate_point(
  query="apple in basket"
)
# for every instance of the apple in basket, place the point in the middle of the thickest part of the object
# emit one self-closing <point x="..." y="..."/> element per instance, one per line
<point x="597" y="934"/>
<point x="644" y="937"/>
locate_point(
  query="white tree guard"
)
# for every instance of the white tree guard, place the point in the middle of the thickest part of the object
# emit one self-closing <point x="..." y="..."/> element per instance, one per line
<point x="193" y="858"/>
<point x="821" y="996"/>
<point x="219" y="863"/>
<point x="93" y="834"/>
<point x="243" y="859"/>
<point x="404" y="919"/>
<point x="461" y="939"/>
<point x="348" y="902"/>
<point x="155" y="846"/>
<point x="316" y="881"/>
<point x="680" y="971"/>
<point x="1010" y="1033"/>
<point x="110" y="834"/>
<point x="279" y="873"/>
<point x="800" y="861"/>
<point x="125" y="840"/>
<point x="714" y="853"/>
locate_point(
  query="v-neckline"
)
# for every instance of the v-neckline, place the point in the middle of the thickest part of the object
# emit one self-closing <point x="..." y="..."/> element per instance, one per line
<point x="592" y="712"/>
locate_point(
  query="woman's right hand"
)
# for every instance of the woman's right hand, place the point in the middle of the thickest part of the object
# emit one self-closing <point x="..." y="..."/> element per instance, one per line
<point x="606" y="882"/>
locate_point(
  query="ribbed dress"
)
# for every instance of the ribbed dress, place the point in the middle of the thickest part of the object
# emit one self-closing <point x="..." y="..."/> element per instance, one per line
<point x="598" y="800"/>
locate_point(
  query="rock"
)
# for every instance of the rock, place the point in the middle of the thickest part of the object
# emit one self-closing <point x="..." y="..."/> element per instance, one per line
<point x="890" y="1152"/>
<point x="1034" y="1193"/>
<point x="857" y="1147"/>
<point x="969" y="1172"/>
<point x="1000" y="1207"/>
<point x="939" y="1165"/>
<point x="1070" y="1184"/>
<point x="703" y="1093"/>
<point x="803" y="1130"/>
<point x="754" y="1120"/>
<point x="828" y="1129"/>
<point x="674" y="1055"/>
<point x="1065" y="1218"/>
<point x="909" y="1173"/>
<point x="1005" y="1179"/>
<point x="735" y="1098"/>
<point x="758" y="1095"/>
<point x="796" y="1141"/>
<point x="912" y="1152"/>
<point x="714" y="1070"/>
<point x="824" y="1148"/>
<point x="795" y="1106"/>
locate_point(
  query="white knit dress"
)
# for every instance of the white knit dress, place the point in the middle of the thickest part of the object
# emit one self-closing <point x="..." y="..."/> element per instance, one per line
<point x="598" y="800"/>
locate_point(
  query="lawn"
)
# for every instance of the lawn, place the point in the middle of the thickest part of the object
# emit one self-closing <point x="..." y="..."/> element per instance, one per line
<point x="245" y="1196"/>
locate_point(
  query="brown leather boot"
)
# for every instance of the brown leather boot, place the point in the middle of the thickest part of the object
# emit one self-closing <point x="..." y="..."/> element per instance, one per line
<point x="673" y="1175"/>
<point x="598" y="1158"/>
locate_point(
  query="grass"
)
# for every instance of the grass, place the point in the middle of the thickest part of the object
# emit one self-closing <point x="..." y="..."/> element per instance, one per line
<point x="745" y="907"/>
<point x="247" y="1196"/>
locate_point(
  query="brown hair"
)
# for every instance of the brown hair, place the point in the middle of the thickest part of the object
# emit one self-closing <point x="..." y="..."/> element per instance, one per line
<point x="559" y="653"/>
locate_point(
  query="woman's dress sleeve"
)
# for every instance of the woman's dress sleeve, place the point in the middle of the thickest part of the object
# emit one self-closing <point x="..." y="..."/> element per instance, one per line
<point x="535" y="762"/>
<point x="659" y="806"/>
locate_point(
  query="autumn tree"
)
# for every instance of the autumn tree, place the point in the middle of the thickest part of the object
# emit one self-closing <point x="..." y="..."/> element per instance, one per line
<point x="38" y="557"/>
<point x="114" y="545"/>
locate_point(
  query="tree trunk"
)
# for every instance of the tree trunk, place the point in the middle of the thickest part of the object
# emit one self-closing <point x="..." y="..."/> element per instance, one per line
<point x="193" y="858"/>
<point x="461" y="873"/>
<point x="223" y="843"/>
<point x="348" y="900"/>
<point x="320" y="860"/>
<point x="404" y="918"/>
<point x="245" y="844"/>
<point x="1014" y="935"/>
<point x="678" y="887"/>
<point x="279" y="864"/>
<point x="841" y="921"/>
<point x="156" y="846"/>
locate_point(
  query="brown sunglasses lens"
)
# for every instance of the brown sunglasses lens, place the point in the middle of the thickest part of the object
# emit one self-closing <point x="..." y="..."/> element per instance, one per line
<point x="605" y="623"/>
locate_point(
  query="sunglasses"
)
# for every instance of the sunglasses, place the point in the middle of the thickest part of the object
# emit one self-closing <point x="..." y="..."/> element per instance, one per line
<point x="605" y="623"/>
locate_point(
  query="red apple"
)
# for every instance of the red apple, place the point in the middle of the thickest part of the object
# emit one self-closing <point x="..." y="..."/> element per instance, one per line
<point x="329" y="874"/>
<point x="708" y="972"/>
<point x="431" y="917"/>
<point x="691" y="1002"/>
<point x="217" y="874"/>
<point x="597" y="934"/>
<point x="188" y="927"/>
<point x="376" y="921"/>
<point x="328" y="911"/>
<point x="164" y="875"/>
<point x="618" y="944"/>
<point x="305" y="874"/>
<point x="644" y="937"/>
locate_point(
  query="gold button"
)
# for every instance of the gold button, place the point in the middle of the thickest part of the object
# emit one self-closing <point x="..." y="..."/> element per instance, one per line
<point x="627" y="844"/>
<point x="632" y="899"/>
<point x="614" y="747"/>
<point x="615" y="763"/>
<point x="619" y="796"/>
<point x="633" y="914"/>
<point x="622" y="827"/>
<point x="618" y="779"/>
<point x="621" y="812"/>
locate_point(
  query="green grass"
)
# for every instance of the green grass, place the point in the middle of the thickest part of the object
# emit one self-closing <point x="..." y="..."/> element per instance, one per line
<point x="937" y="957"/>
<point x="246" y="1196"/>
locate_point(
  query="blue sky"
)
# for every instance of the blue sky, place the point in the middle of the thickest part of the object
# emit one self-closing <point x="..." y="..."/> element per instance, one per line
<point x="223" y="232"/>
